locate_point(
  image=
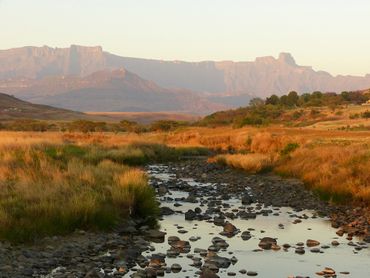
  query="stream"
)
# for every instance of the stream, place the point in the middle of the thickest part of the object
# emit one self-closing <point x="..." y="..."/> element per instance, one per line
<point x="239" y="254"/>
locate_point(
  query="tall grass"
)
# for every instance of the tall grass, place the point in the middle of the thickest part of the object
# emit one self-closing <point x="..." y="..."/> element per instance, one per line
<point x="338" y="173"/>
<point x="252" y="163"/>
<point x="79" y="182"/>
<point x="337" y="169"/>
<point x="55" y="189"/>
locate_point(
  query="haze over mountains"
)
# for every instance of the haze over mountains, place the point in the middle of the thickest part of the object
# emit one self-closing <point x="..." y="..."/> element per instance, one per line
<point x="90" y="79"/>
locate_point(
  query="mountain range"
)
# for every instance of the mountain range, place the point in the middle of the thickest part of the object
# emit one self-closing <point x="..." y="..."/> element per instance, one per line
<point x="90" y="79"/>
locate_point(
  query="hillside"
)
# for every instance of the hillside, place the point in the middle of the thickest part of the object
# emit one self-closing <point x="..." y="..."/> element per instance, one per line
<point x="13" y="108"/>
<point x="262" y="77"/>
<point x="299" y="111"/>
<point x="108" y="91"/>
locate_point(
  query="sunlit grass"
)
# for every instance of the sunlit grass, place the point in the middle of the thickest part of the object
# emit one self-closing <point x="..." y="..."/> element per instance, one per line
<point x="252" y="163"/>
<point x="336" y="172"/>
<point x="55" y="189"/>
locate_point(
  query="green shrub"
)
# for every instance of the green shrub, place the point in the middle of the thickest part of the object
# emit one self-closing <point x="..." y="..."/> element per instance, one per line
<point x="366" y="115"/>
<point x="289" y="148"/>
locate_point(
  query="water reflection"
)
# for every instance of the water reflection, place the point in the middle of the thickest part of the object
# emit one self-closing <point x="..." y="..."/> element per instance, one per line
<point x="279" y="224"/>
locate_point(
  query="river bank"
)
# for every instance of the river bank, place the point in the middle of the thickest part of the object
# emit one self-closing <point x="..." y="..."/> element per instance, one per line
<point x="215" y="221"/>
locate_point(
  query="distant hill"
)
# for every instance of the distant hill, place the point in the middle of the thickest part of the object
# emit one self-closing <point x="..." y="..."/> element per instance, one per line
<point x="13" y="108"/>
<point x="292" y="109"/>
<point x="205" y="84"/>
<point x="108" y="91"/>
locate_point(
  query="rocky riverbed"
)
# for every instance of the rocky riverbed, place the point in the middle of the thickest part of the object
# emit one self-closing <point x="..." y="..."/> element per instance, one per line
<point x="215" y="222"/>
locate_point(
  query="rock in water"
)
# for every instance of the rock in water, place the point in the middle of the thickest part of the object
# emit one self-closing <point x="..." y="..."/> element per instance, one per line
<point x="312" y="243"/>
<point x="229" y="230"/>
<point x="156" y="236"/>
<point x="247" y="199"/>
<point x="206" y="273"/>
<point x="267" y="242"/>
<point x="190" y="215"/>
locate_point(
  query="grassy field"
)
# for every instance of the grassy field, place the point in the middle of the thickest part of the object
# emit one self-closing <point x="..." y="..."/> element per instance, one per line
<point x="54" y="183"/>
<point x="331" y="160"/>
<point x="146" y="117"/>
<point x="333" y="163"/>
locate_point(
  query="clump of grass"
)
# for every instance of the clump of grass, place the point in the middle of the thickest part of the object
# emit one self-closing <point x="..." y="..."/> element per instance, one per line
<point x="251" y="163"/>
<point x="131" y="193"/>
<point x="48" y="189"/>
<point x="53" y="189"/>
<point x="289" y="148"/>
<point x="337" y="173"/>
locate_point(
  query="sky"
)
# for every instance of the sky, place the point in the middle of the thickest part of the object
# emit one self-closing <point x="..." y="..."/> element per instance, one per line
<point x="330" y="35"/>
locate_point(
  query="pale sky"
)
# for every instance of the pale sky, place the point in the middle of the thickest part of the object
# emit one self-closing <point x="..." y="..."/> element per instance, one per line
<point x="330" y="35"/>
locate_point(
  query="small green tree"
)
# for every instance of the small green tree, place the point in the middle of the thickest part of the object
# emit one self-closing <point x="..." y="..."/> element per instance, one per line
<point x="292" y="98"/>
<point x="273" y="100"/>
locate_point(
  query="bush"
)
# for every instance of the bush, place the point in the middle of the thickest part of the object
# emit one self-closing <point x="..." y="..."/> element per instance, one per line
<point x="366" y="115"/>
<point x="167" y="125"/>
<point x="252" y="163"/>
<point x="354" y="116"/>
<point x="289" y="148"/>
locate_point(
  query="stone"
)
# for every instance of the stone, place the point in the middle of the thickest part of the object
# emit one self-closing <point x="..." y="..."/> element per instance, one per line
<point x="300" y="250"/>
<point x="246" y="235"/>
<point x="312" y="243"/>
<point x="176" y="268"/>
<point x="165" y="211"/>
<point x="190" y="215"/>
<point x="247" y="199"/>
<point x="207" y="273"/>
<point x="229" y="230"/>
<point x="156" y="236"/>
<point x="93" y="274"/>
<point x="219" y="261"/>
<point x="172" y="239"/>
<point x="267" y="242"/>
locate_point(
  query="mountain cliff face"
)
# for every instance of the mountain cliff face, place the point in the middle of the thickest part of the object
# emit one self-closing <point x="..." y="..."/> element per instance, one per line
<point x="43" y="73"/>
<point x="262" y="77"/>
<point x="38" y="62"/>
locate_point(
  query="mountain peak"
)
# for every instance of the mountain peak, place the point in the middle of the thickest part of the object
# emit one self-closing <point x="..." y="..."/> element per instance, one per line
<point x="287" y="58"/>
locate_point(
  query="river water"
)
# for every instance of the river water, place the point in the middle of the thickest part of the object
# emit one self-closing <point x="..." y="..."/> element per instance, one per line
<point x="267" y="263"/>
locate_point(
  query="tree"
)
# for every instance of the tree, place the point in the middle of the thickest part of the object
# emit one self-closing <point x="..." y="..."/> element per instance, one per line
<point x="273" y="99"/>
<point x="316" y="94"/>
<point x="284" y="100"/>
<point x="129" y="126"/>
<point x="256" y="102"/>
<point x="345" y="96"/>
<point x="292" y="98"/>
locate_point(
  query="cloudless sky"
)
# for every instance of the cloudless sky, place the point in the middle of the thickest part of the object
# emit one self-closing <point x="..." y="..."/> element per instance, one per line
<point x="331" y="35"/>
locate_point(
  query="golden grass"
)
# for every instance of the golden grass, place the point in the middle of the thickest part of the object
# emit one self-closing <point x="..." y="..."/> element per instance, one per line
<point x="252" y="163"/>
<point x="331" y="161"/>
<point x="48" y="189"/>
<point x="340" y="171"/>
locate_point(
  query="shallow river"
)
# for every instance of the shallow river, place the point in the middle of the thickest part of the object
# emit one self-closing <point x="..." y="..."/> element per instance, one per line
<point x="267" y="263"/>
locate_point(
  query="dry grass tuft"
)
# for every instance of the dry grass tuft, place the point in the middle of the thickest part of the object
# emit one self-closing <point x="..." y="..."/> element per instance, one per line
<point x="54" y="189"/>
<point x="336" y="172"/>
<point x="252" y="163"/>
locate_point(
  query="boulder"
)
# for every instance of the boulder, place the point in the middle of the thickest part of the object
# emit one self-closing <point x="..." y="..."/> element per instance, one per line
<point x="267" y="242"/>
